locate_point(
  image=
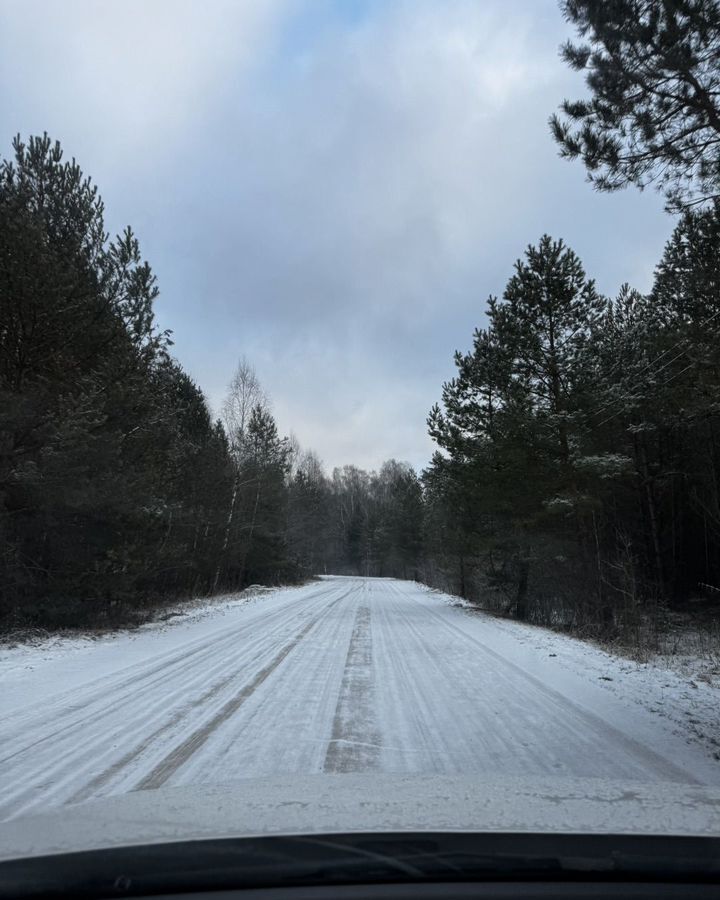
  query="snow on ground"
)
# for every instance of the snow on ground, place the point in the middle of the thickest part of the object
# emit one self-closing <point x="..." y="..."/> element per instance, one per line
<point x="345" y="676"/>
<point x="673" y="686"/>
<point x="71" y="660"/>
<point x="689" y="650"/>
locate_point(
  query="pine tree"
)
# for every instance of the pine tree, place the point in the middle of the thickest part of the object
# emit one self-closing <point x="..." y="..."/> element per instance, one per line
<point x="653" y="116"/>
<point x="263" y="470"/>
<point x="110" y="469"/>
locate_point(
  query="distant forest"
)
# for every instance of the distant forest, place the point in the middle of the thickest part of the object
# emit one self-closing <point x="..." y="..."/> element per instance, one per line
<point x="577" y="477"/>
<point x="117" y="488"/>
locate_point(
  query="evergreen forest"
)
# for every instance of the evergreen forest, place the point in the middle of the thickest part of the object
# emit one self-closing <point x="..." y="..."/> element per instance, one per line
<point x="576" y="477"/>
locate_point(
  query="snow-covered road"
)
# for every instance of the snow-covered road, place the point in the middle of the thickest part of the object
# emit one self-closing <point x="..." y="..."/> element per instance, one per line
<point x="340" y="676"/>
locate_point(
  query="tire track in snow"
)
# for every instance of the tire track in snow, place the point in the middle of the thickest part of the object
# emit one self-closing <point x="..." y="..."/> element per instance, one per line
<point x="182" y="753"/>
<point x="125" y="691"/>
<point x="421" y="729"/>
<point x="355" y="742"/>
<point x="117" y="767"/>
<point x="285" y="726"/>
<point x="65" y="769"/>
<point x="594" y="724"/>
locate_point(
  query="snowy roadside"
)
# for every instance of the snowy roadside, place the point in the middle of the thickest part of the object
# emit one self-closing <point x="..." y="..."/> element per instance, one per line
<point x="169" y="614"/>
<point x="69" y="656"/>
<point x="677" y="688"/>
<point x="618" y="688"/>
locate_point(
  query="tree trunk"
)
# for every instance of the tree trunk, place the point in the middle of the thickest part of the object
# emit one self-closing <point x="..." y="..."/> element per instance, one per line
<point x="463" y="586"/>
<point x="521" y="609"/>
<point x="226" y="536"/>
<point x="250" y="532"/>
<point x="653" y="521"/>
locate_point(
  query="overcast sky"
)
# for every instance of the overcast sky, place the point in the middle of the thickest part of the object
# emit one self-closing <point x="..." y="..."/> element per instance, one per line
<point x="330" y="188"/>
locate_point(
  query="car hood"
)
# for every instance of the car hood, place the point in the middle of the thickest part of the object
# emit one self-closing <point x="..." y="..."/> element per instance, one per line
<point x="320" y="804"/>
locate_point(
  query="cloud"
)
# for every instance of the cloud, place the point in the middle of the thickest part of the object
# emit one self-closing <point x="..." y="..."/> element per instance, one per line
<point x="332" y="195"/>
<point x="125" y="77"/>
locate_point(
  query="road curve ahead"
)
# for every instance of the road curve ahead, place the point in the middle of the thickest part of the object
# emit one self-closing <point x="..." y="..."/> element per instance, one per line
<point x="345" y="675"/>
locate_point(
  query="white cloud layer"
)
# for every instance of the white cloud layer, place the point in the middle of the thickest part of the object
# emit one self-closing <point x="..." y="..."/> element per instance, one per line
<point x="332" y="195"/>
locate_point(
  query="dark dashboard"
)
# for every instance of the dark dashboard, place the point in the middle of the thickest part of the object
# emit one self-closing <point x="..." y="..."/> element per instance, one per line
<point x="383" y="866"/>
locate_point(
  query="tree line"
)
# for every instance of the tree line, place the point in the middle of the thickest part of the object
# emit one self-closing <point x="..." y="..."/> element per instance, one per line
<point x="114" y="480"/>
<point x="118" y="488"/>
<point x="577" y="476"/>
<point x="578" y="471"/>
